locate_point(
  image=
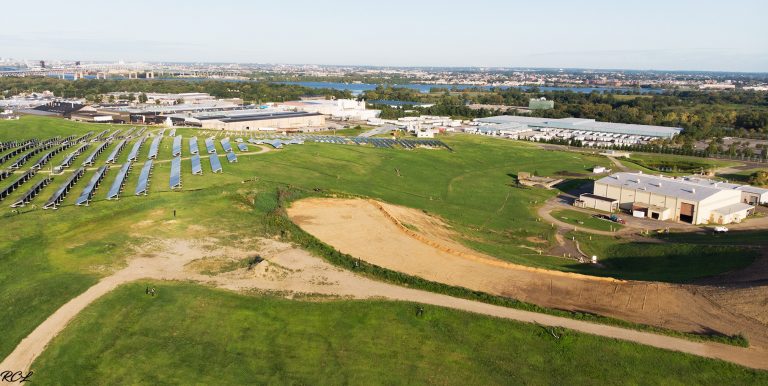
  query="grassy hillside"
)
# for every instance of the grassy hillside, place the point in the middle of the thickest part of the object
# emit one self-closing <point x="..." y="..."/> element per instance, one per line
<point x="193" y="335"/>
<point x="48" y="257"/>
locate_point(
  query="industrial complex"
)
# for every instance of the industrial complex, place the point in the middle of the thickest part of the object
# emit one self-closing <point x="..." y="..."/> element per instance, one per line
<point x="589" y="131"/>
<point x="692" y="200"/>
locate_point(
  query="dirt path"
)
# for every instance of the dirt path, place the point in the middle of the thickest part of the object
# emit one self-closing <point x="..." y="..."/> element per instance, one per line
<point x="289" y="269"/>
<point x="372" y="232"/>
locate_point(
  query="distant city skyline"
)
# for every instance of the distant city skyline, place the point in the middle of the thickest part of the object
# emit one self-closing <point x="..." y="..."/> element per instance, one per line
<point x="653" y="35"/>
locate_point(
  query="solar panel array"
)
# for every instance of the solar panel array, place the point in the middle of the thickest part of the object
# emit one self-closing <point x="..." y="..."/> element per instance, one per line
<point x="39" y="149"/>
<point x="193" y="146"/>
<point x="61" y="193"/>
<point x="175" y="182"/>
<point x="176" y="146"/>
<point x="215" y="163"/>
<point x="161" y="133"/>
<point x="90" y="189"/>
<point x="142" y="187"/>
<point x="5" y="174"/>
<point x="153" y="148"/>
<point x="226" y="145"/>
<point x="17" y="183"/>
<point x="242" y="147"/>
<point x="27" y="197"/>
<point x="172" y="133"/>
<point x="22" y="148"/>
<point x="92" y="158"/>
<point x="231" y="157"/>
<point x="134" y="154"/>
<point x="84" y="137"/>
<point x="116" y="153"/>
<point x="128" y="133"/>
<point x="119" y="183"/>
<point x="210" y="146"/>
<point x="48" y="156"/>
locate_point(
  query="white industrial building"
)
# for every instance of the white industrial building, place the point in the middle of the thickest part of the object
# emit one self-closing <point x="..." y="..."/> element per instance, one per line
<point x="347" y="109"/>
<point x="691" y="200"/>
<point x="252" y="120"/>
<point x="588" y="131"/>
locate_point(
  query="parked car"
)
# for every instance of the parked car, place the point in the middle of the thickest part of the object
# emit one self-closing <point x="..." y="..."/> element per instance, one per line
<point x="721" y="229"/>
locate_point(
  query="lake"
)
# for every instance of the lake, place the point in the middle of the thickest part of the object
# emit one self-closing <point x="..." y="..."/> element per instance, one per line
<point x="358" y="88"/>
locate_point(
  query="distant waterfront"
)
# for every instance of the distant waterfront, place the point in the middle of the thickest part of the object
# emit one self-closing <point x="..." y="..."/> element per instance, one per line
<point x="359" y="88"/>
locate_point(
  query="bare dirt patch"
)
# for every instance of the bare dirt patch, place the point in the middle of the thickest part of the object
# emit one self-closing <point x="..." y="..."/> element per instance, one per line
<point x="371" y="231"/>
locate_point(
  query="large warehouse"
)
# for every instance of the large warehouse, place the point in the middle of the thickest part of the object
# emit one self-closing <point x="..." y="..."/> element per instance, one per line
<point x="252" y="119"/>
<point x="690" y="200"/>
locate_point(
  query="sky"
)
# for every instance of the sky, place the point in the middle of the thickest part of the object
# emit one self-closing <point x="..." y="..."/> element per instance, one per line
<point x="651" y="34"/>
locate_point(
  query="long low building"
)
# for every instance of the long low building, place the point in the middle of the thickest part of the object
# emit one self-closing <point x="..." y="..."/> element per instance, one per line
<point x="690" y="200"/>
<point x="246" y="120"/>
<point x="585" y="125"/>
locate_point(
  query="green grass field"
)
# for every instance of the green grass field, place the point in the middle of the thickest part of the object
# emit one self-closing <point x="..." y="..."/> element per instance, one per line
<point x="581" y="219"/>
<point x="48" y="257"/>
<point x="193" y="335"/>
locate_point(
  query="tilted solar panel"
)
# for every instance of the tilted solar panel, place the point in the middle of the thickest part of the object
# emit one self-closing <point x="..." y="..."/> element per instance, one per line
<point x="143" y="184"/>
<point x="196" y="167"/>
<point x="61" y="192"/>
<point x="87" y="194"/>
<point x="115" y="153"/>
<point x="242" y="147"/>
<point x="193" y="146"/>
<point x="215" y="163"/>
<point x="210" y="146"/>
<point x="117" y="186"/>
<point x="153" y="148"/>
<point x="176" y="146"/>
<point x="226" y="145"/>
<point x="134" y="154"/>
<point x="231" y="157"/>
<point x="175" y="182"/>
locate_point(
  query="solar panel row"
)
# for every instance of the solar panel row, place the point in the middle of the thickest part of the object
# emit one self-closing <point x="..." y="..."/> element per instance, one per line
<point x="193" y="146"/>
<point x="176" y="146"/>
<point x="119" y="183"/>
<point x="210" y="146"/>
<point x="5" y="174"/>
<point x="17" y="151"/>
<point x="231" y="157"/>
<point x="242" y="147"/>
<point x="161" y="133"/>
<point x="16" y="184"/>
<point x="215" y="163"/>
<point x="153" y="148"/>
<point x="71" y="157"/>
<point x="26" y="157"/>
<point x="99" y="136"/>
<point x="92" y="157"/>
<point x="128" y="133"/>
<point x="27" y="197"/>
<point x="116" y="153"/>
<point x="48" y="156"/>
<point x="134" y="154"/>
<point x="172" y="133"/>
<point x="59" y="195"/>
<point x="84" y="137"/>
<point x="175" y="181"/>
<point x="90" y="189"/>
<point x="226" y="145"/>
<point x="114" y="135"/>
<point x="142" y="187"/>
<point x="196" y="167"/>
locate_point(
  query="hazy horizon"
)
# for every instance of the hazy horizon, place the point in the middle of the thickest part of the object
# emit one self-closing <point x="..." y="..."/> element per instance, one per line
<point x="595" y="34"/>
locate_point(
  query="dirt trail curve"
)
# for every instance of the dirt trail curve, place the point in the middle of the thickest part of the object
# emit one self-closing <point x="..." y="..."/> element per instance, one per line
<point x="374" y="232"/>
<point x="289" y="269"/>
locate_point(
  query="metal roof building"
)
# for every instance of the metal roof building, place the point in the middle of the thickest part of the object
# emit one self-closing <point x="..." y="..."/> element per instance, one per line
<point x="584" y="124"/>
<point x="678" y="199"/>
